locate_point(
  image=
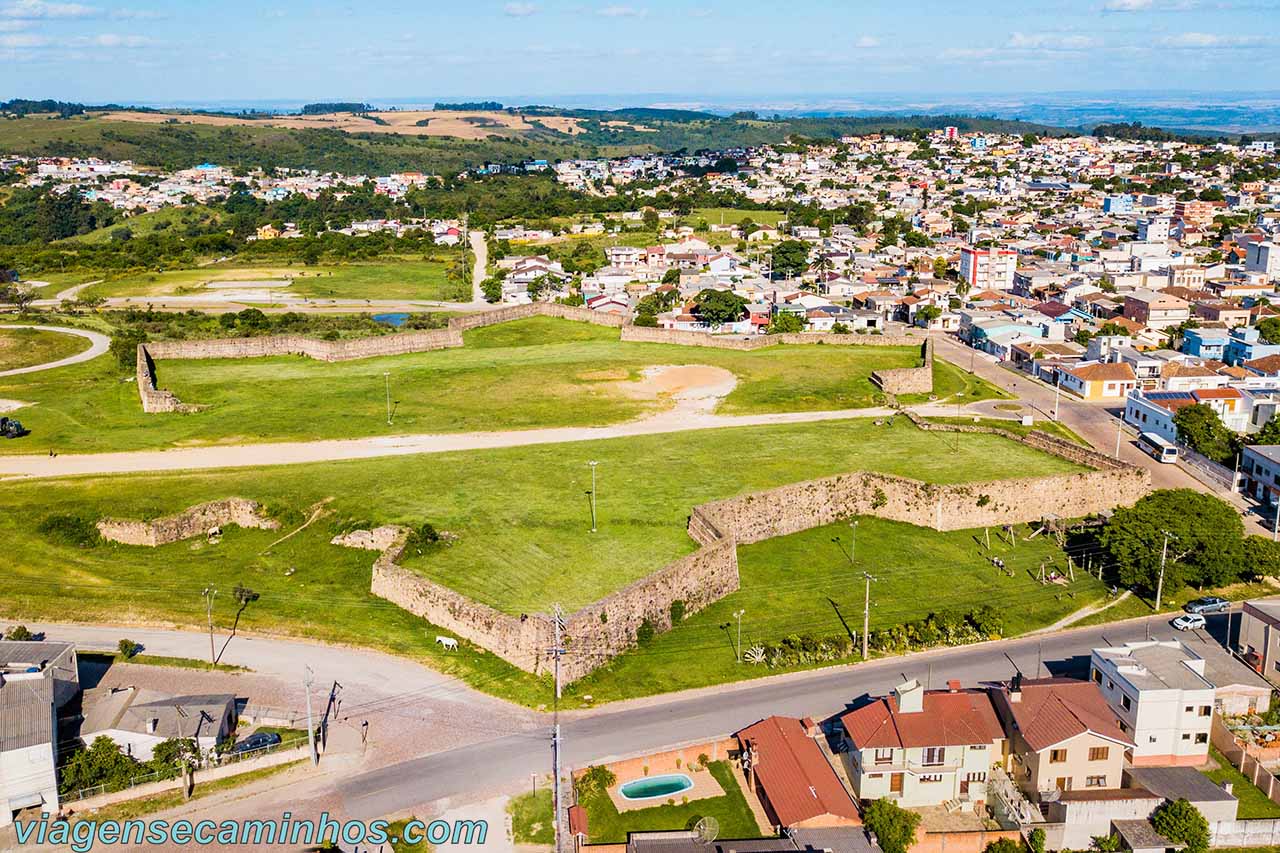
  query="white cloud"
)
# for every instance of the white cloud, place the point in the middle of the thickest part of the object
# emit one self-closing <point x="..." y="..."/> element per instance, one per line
<point x="519" y="10"/>
<point x="867" y="41"/>
<point x="1127" y="5"/>
<point x="23" y="40"/>
<point x="13" y="26"/>
<point x="622" y="12"/>
<point x="1050" y="41"/>
<point x="1204" y="40"/>
<point x="136" y="14"/>
<point x="41" y="9"/>
<point x="111" y="40"/>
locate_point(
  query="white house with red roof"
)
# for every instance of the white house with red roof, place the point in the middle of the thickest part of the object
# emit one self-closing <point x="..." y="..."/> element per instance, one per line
<point x="924" y="747"/>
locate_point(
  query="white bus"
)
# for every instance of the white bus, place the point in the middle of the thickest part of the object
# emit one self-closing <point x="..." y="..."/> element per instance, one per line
<point x="1158" y="447"/>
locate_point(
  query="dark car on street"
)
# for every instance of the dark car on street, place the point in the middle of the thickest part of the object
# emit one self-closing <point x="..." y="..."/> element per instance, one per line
<point x="254" y="742"/>
<point x="1208" y="604"/>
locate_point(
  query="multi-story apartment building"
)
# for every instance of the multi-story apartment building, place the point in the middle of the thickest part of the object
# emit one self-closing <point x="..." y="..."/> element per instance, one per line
<point x="988" y="269"/>
<point x="1164" y="702"/>
<point x="1155" y="309"/>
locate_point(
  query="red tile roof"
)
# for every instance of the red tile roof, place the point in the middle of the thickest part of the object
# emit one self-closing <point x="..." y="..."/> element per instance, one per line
<point x="961" y="718"/>
<point x="1268" y="364"/>
<point x="1217" y="394"/>
<point x="795" y="776"/>
<point x="1103" y="372"/>
<point x="1052" y="710"/>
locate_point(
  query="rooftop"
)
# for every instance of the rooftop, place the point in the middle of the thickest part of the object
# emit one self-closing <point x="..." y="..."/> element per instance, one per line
<point x="947" y="718"/>
<point x="794" y="774"/>
<point x="1155" y="665"/>
<point x="1048" y="711"/>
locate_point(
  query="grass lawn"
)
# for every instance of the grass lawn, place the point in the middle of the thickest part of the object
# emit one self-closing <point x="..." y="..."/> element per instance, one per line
<point x="733" y="216"/>
<point x="1057" y="428"/>
<point x="606" y="825"/>
<point x="1135" y="605"/>
<point x="109" y="658"/>
<point x="952" y="384"/>
<point x="805" y="584"/>
<point x="540" y="372"/>
<point x="518" y="513"/>
<point x="385" y="279"/>
<point x="56" y="282"/>
<point x="143" y="806"/>
<point x="531" y="818"/>
<point x="29" y="347"/>
<point x="154" y="222"/>
<point x="1253" y="804"/>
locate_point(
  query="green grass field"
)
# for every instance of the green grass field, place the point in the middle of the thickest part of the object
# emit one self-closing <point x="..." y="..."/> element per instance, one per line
<point x="733" y="216"/>
<point x="540" y="372"/>
<point x="609" y="826"/>
<point x="519" y="515"/>
<point x="531" y="817"/>
<point x="407" y="279"/>
<point x="29" y="347"/>
<point x="154" y="222"/>
<point x="806" y="584"/>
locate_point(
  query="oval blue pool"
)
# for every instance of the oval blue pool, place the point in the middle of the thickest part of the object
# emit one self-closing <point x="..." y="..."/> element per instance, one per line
<point x="655" y="787"/>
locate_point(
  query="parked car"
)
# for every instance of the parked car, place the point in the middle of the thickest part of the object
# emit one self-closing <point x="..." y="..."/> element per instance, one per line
<point x="256" y="741"/>
<point x="1188" y="622"/>
<point x="1208" y="604"/>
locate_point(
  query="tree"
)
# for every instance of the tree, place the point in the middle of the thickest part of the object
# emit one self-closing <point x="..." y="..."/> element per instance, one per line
<point x="785" y="323"/>
<point x="491" y="287"/>
<point x="244" y="597"/>
<point x="124" y="346"/>
<point x="790" y="257"/>
<point x="671" y="276"/>
<point x="1182" y="823"/>
<point x="717" y="307"/>
<point x="101" y="764"/>
<point x="894" y="827"/>
<point x="1261" y="557"/>
<point x="1205" y="546"/>
<point x="19" y="633"/>
<point x="538" y="287"/>
<point x="14" y="294"/>
<point x="650" y="218"/>
<point x="926" y="314"/>
<point x="1269" y="434"/>
<point x="940" y="267"/>
<point x="1200" y="428"/>
<point x="1036" y="840"/>
<point x="1004" y="845"/>
<point x="128" y="649"/>
<point x="1269" y="330"/>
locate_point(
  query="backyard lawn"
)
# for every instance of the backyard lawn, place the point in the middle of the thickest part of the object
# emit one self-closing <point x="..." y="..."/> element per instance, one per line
<point x="540" y="372"/>
<point x="519" y="515"/>
<point x="29" y="347"/>
<point x="607" y="825"/>
<point x="806" y="584"/>
<point x="1253" y="804"/>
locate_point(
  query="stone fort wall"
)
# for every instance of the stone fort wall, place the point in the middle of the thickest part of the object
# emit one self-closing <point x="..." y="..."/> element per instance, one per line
<point x="196" y="521"/>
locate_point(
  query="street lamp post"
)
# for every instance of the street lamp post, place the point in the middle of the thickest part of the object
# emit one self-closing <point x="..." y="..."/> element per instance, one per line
<point x="593" y="465"/>
<point x="386" y="378"/>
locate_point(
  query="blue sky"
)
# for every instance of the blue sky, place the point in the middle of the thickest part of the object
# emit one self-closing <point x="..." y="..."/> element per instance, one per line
<point x="185" y="52"/>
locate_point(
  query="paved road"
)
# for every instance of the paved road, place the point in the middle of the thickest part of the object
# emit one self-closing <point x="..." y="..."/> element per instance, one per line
<point x="98" y="344"/>
<point x="592" y="737"/>
<point x="481" y="249"/>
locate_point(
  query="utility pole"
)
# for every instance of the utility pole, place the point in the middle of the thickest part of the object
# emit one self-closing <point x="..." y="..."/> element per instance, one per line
<point x="853" y="539"/>
<point x="866" y="615"/>
<point x="386" y="378"/>
<point x="593" y="465"/>
<point x="737" y="614"/>
<point x="1164" y="553"/>
<point x="1057" y="393"/>
<point x="1119" y="434"/>
<point x="308" y="679"/>
<point x="209" y="593"/>
<point x="1275" y="525"/>
<point x="556" y="652"/>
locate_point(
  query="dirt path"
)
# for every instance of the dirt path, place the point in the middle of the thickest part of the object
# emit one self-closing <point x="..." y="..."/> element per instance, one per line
<point x="481" y="250"/>
<point x="1083" y="613"/>
<point x="98" y="344"/>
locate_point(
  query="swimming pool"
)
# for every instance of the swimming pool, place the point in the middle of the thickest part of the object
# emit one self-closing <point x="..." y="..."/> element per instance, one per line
<point x="654" y="787"/>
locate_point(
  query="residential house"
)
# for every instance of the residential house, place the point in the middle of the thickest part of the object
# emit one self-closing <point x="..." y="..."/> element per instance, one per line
<point x="1260" y="465"/>
<point x="1259" y="639"/>
<point x="1246" y="345"/>
<point x="1205" y="343"/>
<point x="1062" y="736"/>
<point x="1099" y="381"/>
<point x="36" y="680"/>
<point x="1228" y="314"/>
<point x="924" y="747"/>
<point x="1164" y="702"/>
<point x="139" y="720"/>
<point x="1156" y="310"/>
<point x="794" y="781"/>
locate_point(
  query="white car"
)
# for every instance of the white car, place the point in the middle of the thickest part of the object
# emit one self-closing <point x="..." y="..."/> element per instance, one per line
<point x="1188" y="622"/>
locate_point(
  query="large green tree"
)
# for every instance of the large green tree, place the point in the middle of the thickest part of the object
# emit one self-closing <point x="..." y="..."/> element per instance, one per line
<point x="1182" y="823"/>
<point x="894" y="826"/>
<point x="1205" y="546"/>
<point x="791" y="257"/>
<point x="718" y="307"/>
<point x="1269" y="330"/>
<point x="1200" y="428"/>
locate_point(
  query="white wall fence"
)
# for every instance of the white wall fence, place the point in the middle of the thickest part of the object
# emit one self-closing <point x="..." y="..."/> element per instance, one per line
<point x="1263" y="832"/>
<point x="1204" y="469"/>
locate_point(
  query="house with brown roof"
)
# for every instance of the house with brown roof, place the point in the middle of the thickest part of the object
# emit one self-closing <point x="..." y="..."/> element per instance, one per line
<point x="1099" y="380"/>
<point x="1062" y="737"/>
<point x="792" y="778"/>
<point x="924" y="747"/>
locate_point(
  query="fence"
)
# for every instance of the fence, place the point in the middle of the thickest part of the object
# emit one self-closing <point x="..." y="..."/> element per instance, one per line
<point x="1204" y="469"/>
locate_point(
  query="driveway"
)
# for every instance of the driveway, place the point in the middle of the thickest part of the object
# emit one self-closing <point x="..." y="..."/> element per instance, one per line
<point x="98" y="344"/>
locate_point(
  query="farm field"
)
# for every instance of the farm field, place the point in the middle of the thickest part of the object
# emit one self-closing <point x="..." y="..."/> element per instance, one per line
<point x="518" y="514"/>
<point x="404" y="279"/>
<point x="28" y="347"/>
<point x="805" y="584"/>
<point x="539" y="372"/>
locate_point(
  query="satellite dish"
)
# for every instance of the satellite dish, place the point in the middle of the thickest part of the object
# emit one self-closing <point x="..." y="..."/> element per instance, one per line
<point x="706" y="830"/>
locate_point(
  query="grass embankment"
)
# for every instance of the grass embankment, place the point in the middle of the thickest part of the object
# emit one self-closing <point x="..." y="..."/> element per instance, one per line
<point x="806" y="584"/>
<point x="143" y="806"/>
<point x="540" y="372"/>
<point x="1252" y="803"/>
<point x="396" y="278"/>
<point x="520" y="516"/>
<point x="110" y="658"/>
<point x="29" y="347"/>
<point x="607" y="825"/>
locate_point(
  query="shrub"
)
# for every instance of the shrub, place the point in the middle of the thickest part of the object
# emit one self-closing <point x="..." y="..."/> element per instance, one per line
<point x="1004" y="845"/>
<point x="19" y="633"/>
<point x="677" y="611"/>
<point x="128" y="649"/>
<point x="1182" y="822"/>
<point x="894" y="827"/>
<point x="879" y="499"/>
<point x="70" y="530"/>
<point x="1036" y="840"/>
<point x="423" y="536"/>
<point x="595" y="778"/>
<point x="124" y="346"/>
<point x="645" y="633"/>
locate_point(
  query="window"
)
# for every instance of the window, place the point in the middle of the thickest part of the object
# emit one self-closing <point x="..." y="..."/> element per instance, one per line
<point x="1151" y="739"/>
<point x="935" y="777"/>
<point x="1186" y="737"/>
<point x="1126" y="702"/>
<point x="934" y="754"/>
<point x="1123" y="727"/>
<point x="884" y="756"/>
<point x="975" y="777"/>
<point x="1099" y="753"/>
<point x="1202" y="737"/>
<point x="1190" y="708"/>
<point x="1097" y="676"/>
<point x="1095" y="781"/>
<point x="875" y="775"/>
<point x="1057" y="756"/>
<point x="1206" y="710"/>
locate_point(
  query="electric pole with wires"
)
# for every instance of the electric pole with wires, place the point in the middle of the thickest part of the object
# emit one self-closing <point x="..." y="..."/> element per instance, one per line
<point x="208" y="593"/>
<point x="556" y="652"/>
